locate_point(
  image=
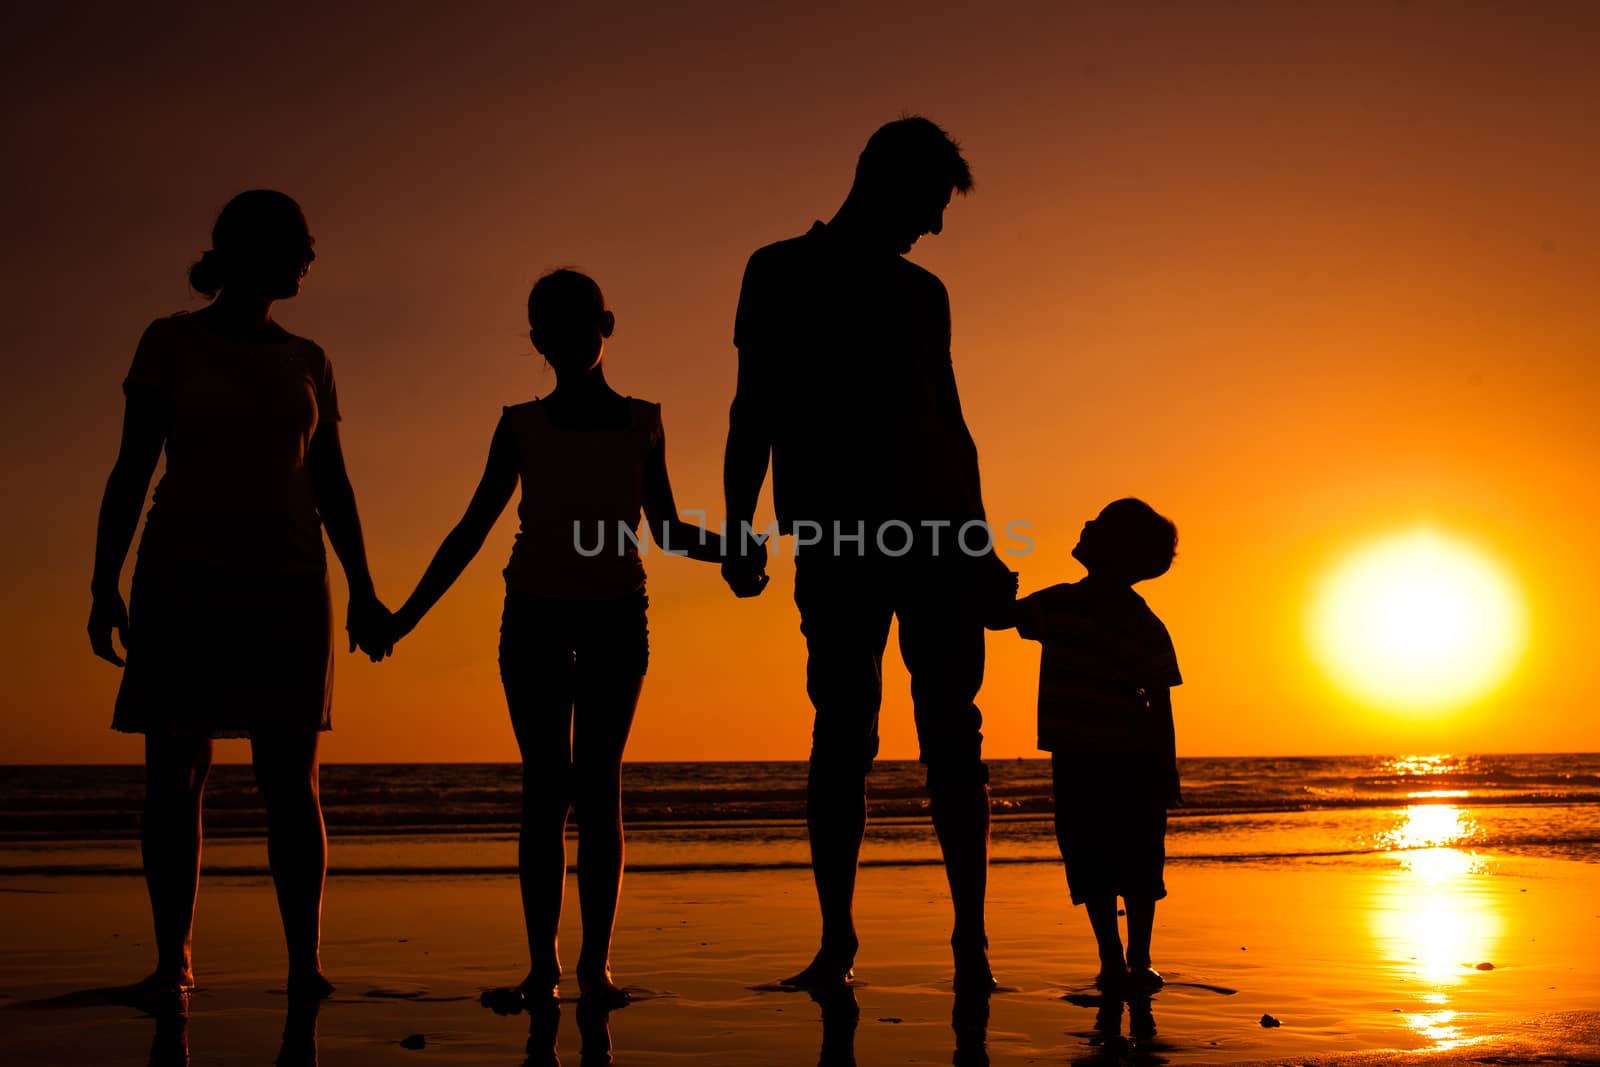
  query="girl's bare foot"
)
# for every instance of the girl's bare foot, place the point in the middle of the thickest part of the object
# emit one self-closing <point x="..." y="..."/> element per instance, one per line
<point x="597" y="989"/>
<point x="833" y="966"/>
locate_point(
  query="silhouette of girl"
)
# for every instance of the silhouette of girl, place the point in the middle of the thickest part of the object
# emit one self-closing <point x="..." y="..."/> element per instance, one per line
<point x="573" y="643"/>
<point x="231" y="633"/>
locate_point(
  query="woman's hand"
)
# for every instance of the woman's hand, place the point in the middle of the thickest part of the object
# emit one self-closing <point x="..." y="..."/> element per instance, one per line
<point x="107" y="614"/>
<point x="371" y="626"/>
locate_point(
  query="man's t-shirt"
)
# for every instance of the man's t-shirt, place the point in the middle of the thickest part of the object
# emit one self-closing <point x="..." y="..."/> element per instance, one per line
<point x="844" y="366"/>
<point x="1105" y="652"/>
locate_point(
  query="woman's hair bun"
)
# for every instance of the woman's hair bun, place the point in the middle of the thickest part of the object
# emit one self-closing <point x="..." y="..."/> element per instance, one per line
<point x="205" y="275"/>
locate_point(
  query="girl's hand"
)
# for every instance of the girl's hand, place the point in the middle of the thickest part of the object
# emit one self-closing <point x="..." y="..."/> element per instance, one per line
<point x="1174" y="789"/>
<point x="403" y="622"/>
<point x="108" y="613"/>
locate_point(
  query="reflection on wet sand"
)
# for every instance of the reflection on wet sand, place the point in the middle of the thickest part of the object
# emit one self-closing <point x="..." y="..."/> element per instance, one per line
<point x="840" y="1014"/>
<point x="544" y="1025"/>
<point x="170" y="1046"/>
<point x="969" y="1018"/>
<point x="1434" y="921"/>
<point x="299" y="1046"/>
<point x="1106" y="1041"/>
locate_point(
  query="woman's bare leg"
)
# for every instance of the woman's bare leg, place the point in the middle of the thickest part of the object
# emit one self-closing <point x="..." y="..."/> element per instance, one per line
<point x="297" y="849"/>
<point x="175" y="778"/>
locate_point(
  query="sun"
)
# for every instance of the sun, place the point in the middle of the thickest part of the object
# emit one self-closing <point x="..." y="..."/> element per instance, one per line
<point x="1418" y="621"/>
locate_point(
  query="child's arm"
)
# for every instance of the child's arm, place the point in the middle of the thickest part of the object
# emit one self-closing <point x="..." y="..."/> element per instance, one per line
<point x="1161" y="706"/>
<point x="671" y="533"/>
<point x="461" y="544"/>
<point x="1022" y="614"/>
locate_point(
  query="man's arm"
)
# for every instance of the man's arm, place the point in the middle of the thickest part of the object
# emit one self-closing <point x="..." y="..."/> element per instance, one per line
<point x="997" y="583"/>
<point x="961" y="448"/>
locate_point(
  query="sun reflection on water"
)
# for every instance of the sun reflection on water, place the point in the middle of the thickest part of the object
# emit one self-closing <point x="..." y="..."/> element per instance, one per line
<point x="1403" y="766"/>
<point x="1433" y="921"/>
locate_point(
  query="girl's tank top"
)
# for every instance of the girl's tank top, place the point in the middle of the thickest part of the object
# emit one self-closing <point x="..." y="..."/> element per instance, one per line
<point x="582" y="496"/>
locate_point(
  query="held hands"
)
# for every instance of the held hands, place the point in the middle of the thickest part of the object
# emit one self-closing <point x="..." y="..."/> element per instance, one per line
<point x="371" y="626"/>
<point x="107" y="614"/>
<point x="997" y="593"/>
<point x="745" y="568"/>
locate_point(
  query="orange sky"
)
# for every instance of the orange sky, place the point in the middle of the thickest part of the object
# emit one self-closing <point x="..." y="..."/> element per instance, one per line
<point x="1296" y="278"/>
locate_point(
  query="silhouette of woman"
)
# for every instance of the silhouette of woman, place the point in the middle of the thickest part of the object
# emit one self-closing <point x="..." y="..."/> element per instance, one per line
<point x="230" y="632"/>
<point x="573" y="641"/>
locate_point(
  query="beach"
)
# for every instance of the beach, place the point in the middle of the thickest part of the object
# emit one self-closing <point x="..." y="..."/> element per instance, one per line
<point x="1453" y="924"/>
<point x="1359" y="964"/>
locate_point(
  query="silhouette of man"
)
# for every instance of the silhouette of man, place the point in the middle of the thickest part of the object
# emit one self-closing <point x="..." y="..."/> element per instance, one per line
<point x="846" y="383"/>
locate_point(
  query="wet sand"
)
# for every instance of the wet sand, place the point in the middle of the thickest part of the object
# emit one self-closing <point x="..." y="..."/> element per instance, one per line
<point x="1373" y="961"/>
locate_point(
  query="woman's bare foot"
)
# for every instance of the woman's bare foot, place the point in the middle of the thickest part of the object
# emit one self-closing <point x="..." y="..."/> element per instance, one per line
<point x="158" y="993"/>
<point x="516" y="999"/>
<point x="309" y="985"/>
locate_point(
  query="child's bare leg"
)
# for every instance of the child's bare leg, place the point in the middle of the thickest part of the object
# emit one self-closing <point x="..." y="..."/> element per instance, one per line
<point x="542" y="867"/>
<point x="1141" y="921"/>
<point x="1108" y="939"/>
<point x="602" y="718"/>
<point x="538" y="682"/>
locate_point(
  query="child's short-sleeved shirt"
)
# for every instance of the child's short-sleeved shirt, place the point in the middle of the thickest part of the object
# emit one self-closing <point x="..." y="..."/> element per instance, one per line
<point x="582" y="499"/>
<point x="1104" y="653"/>
<point x="237" y="493"/>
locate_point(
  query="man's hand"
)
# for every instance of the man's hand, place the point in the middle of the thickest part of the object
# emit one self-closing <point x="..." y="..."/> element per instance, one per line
<point x="747" y="578"/>
<point x="996" y="593"/>
<point x="745" y="570"/>
<point x="108" y="613"/>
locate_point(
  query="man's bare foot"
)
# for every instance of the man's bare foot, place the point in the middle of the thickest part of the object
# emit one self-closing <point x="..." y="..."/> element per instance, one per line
<point x="973" y="975"/>
<point x="827" y="970"/>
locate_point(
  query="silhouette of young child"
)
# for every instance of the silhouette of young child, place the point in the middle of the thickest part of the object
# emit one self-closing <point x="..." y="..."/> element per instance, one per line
<point x="573" y="641"/>
<point x="1105" y="716"/>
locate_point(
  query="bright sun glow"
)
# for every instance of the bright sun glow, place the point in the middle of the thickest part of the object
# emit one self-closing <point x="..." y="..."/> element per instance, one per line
<point x="1417" y="621"/>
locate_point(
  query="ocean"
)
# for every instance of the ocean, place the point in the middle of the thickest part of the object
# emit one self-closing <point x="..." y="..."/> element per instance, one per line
<point x="452" y="819"/>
